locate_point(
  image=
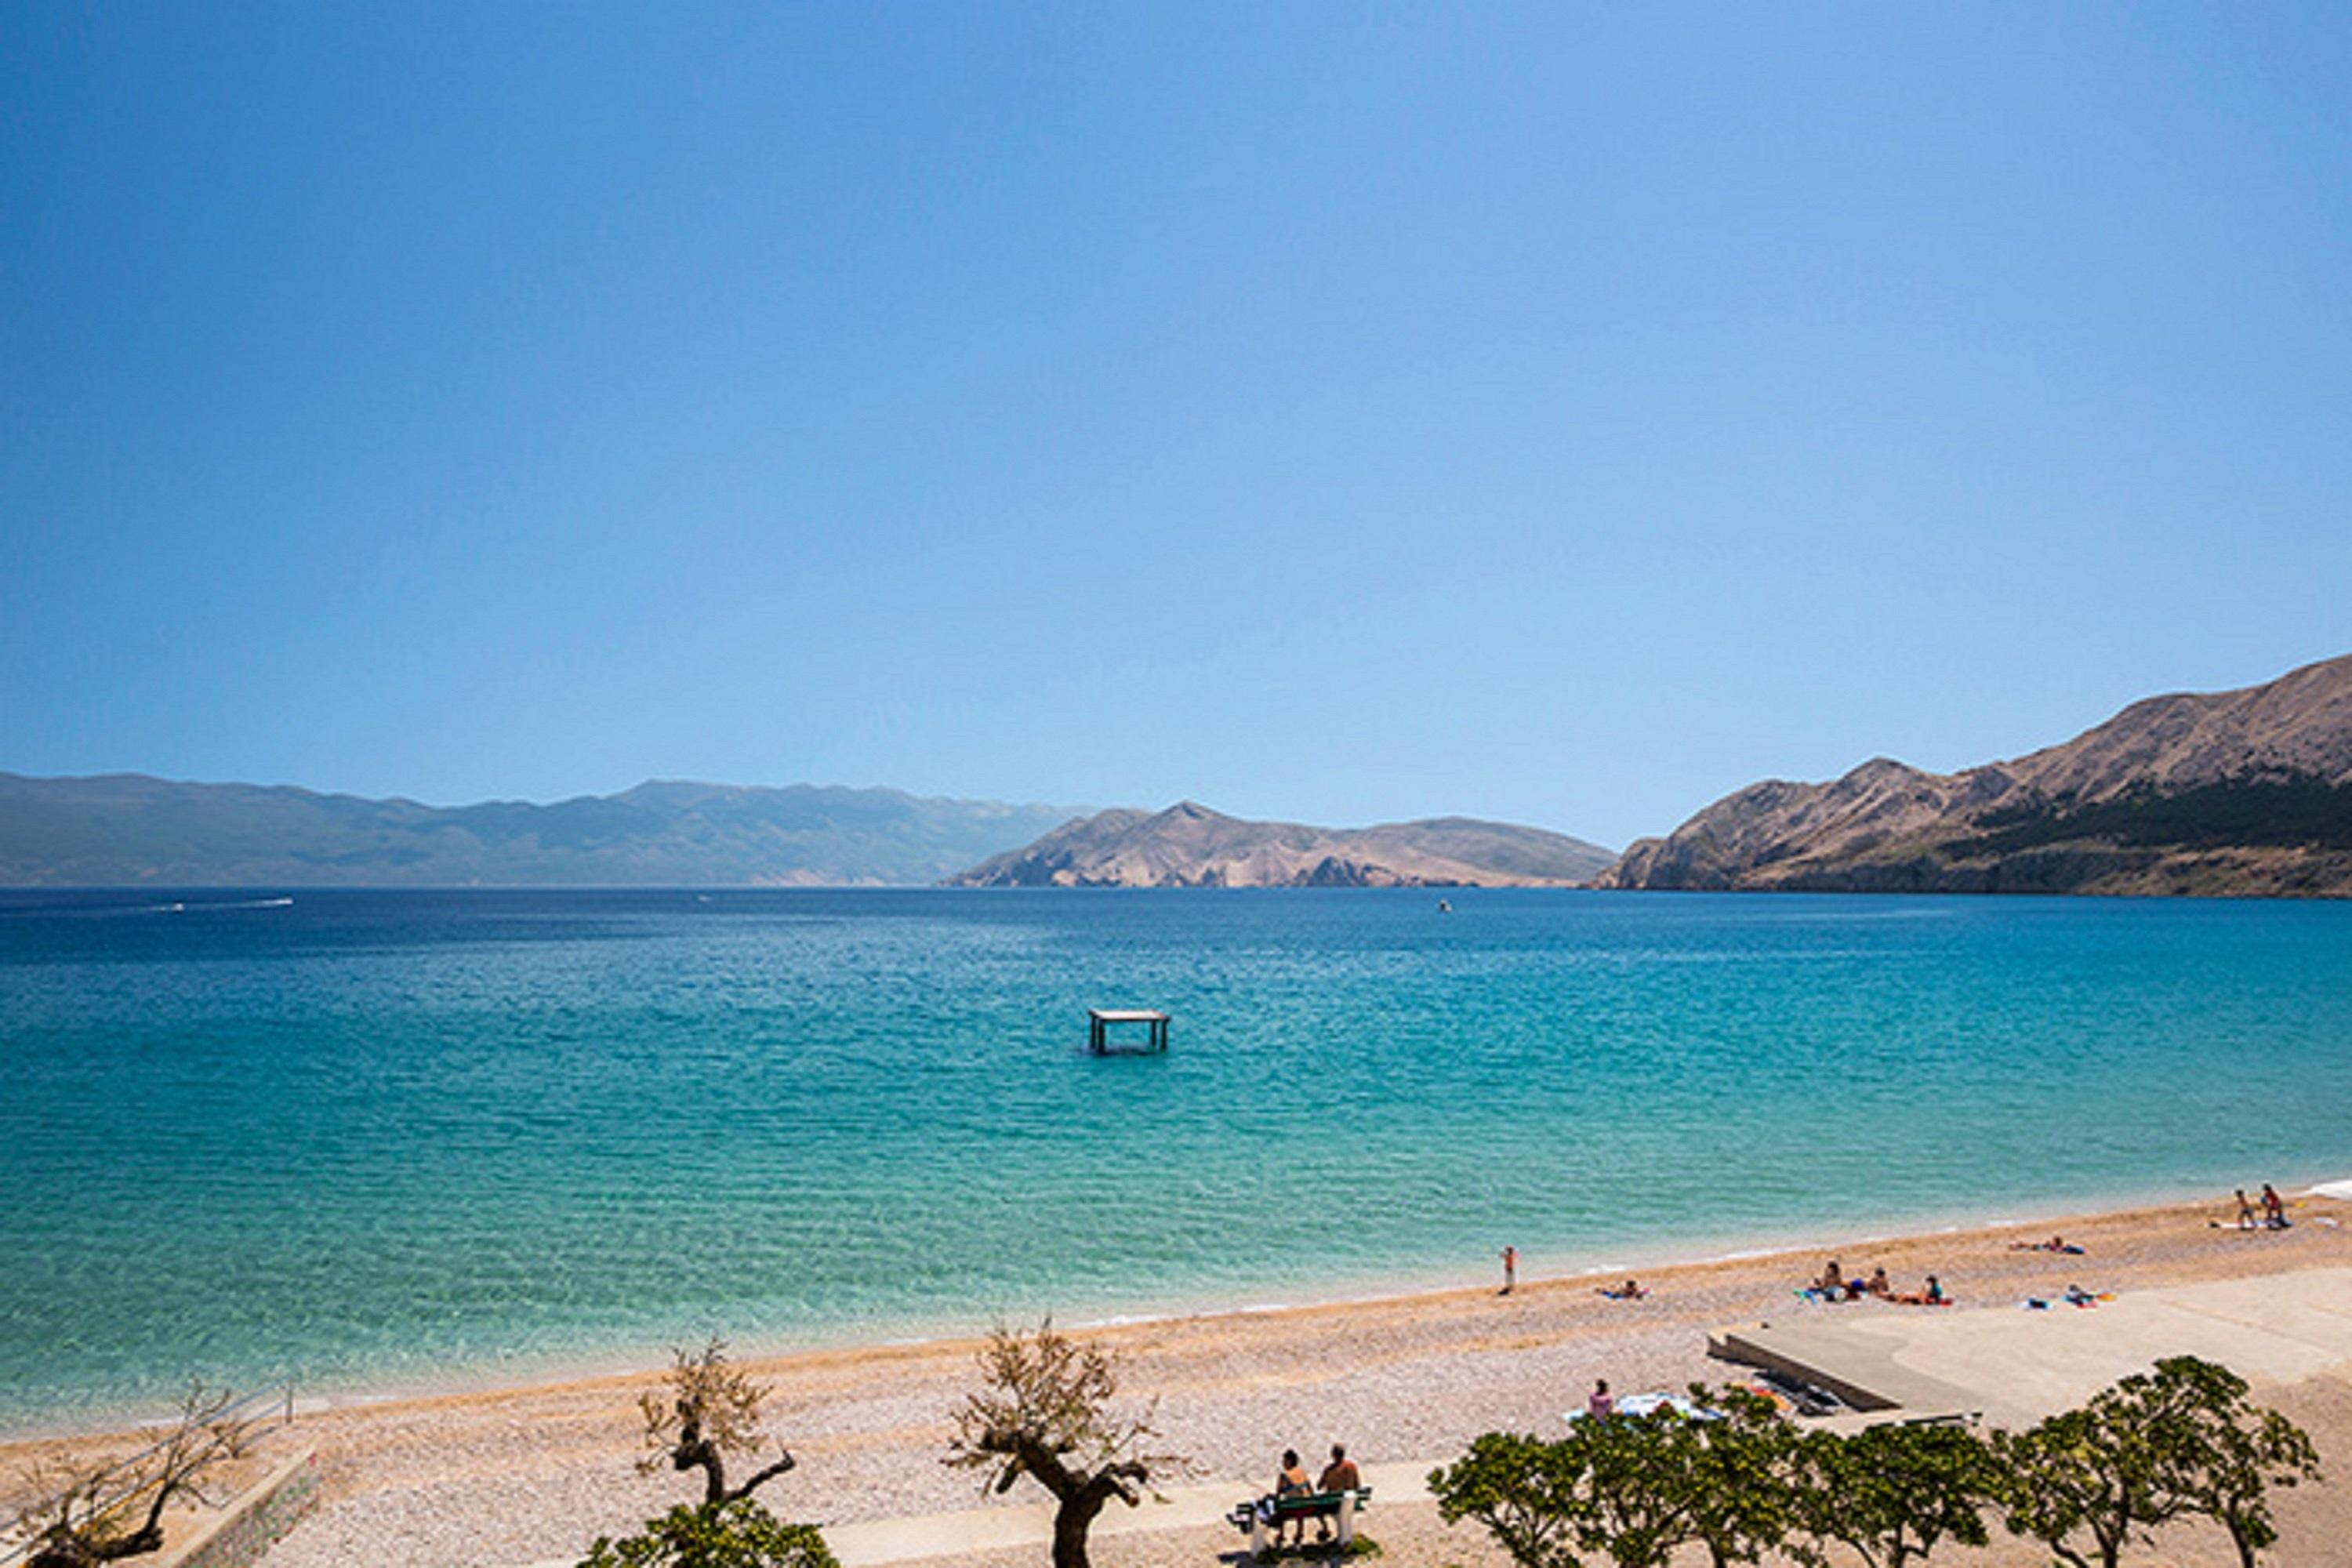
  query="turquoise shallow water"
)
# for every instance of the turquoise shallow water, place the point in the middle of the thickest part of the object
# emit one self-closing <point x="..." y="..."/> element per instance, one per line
<point x="385" y="1139"/>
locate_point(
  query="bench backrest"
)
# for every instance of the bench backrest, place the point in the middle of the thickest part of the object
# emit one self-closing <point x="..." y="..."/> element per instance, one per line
<point x="1319" y="1502"/>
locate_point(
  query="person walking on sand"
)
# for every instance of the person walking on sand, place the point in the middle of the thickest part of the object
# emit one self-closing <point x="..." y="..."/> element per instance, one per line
<point x="1510" y="1269"/>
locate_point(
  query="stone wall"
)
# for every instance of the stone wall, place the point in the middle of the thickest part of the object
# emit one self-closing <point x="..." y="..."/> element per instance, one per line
<point x="255" y="1521"/>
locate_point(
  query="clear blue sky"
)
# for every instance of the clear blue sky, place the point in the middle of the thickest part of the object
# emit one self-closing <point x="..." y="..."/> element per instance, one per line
<point x="1320" y="411"/>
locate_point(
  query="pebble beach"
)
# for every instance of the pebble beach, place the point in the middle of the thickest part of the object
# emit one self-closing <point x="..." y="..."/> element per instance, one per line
<point x="525" y="1476"/>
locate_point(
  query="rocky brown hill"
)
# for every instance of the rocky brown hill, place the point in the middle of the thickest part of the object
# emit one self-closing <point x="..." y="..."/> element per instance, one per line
<point x="2244" y="792"/>
<point x="1189" y="846"/>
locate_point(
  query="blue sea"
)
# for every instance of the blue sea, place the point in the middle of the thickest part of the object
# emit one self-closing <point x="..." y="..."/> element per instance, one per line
<point x="390" y="1140"/>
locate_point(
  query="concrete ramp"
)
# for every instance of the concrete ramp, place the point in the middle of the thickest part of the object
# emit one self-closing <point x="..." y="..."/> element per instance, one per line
<point x="2015" y="1366"/>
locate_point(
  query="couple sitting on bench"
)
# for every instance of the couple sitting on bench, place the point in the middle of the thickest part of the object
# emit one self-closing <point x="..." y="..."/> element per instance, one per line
<point x="1335" y="1495"/>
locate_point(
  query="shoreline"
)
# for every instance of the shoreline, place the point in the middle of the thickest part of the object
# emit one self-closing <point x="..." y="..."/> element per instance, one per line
<point x="528" y="1474"/>
<point x="641" y="1363"/>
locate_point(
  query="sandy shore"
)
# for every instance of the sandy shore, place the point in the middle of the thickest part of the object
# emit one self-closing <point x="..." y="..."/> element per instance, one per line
<point x="499" y="1480"/>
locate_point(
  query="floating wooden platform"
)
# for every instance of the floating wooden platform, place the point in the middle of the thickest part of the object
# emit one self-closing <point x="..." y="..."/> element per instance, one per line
<point x="1100" y="1021"/>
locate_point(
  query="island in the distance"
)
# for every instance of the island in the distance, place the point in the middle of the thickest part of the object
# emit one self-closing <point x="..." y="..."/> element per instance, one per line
<point x="2238" y="794"/>
<point x="1189" y="846"/>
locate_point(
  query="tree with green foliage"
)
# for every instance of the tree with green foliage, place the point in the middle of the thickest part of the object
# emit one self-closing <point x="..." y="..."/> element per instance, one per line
<point x="2219" y="1452"/>
<point x="1893" y="1492"/>
<point x="2094" y="1472"/>
<point x="736" y="1534"/>
<point x="1630" y="1490"/>
<point x="1045" y="1411"/>
<point x="1741" y="1475"/>
<point x="1531" y="1495"/>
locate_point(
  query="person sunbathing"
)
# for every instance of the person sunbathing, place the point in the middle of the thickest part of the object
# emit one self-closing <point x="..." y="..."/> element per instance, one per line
<point x="2055" y="1244"/>
<point x="1830" y="1286"/>
<point x="1629" y="1292"/>
<point x="1878" y="1285"/>
<point x="1933" y="1296"/>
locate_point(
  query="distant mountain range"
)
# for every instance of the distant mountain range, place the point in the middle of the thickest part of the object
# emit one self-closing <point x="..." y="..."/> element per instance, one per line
<point x="1189" y="846"/>
<point x="2241" y="792"/>
<point x="125" y="829"/>
<point x="2231" y="793"/>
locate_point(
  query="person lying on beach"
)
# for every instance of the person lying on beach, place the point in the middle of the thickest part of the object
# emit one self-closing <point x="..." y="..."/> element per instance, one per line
<point x="1878" y="1285"/>
<point x="1830" y="1286"/>
<point x="1629" y="1292"/>
<point x="2055" y="1244"/>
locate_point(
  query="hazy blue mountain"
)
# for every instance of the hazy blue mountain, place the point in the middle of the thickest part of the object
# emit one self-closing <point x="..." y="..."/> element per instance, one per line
<point x="124" y="829"/>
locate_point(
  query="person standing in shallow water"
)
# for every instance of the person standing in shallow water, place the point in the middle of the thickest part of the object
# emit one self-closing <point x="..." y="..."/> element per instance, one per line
<point x="1510" y="1268"/>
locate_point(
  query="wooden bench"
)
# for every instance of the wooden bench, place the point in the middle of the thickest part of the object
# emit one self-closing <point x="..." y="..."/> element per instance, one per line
<point x="1260" y="1519"/>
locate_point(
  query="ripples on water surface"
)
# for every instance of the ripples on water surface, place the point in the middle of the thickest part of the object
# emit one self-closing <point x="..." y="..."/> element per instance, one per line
<point x="388" y="1139"/>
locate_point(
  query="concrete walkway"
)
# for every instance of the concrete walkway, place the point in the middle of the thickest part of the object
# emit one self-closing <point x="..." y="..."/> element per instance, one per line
<point x="880" y="1541"/>
<point x="2017" y="1366"/>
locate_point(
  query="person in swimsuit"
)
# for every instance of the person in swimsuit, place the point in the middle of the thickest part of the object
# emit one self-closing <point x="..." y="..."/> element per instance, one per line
<point x="1293" y="1482"/>
<point x="1510" y="1268"/>
<point x="1880" y="1285"/>
<point x="2274" y="1209"/>
<point x="2245" y="1211"/>
<point x="1832" y="1284"/>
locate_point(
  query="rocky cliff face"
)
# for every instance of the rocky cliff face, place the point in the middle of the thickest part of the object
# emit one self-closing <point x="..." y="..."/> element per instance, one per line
<point x="1189" y="846"/>
<point x="2245" y="791"/>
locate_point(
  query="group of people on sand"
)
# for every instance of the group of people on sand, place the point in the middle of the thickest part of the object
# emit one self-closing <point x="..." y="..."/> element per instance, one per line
<point x="2273" y="1210"/>
<point x="1340" y="1476"/>
<point x="1835" y="1285"/>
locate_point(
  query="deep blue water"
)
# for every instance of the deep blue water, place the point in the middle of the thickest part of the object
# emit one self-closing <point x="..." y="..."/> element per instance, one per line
<point x="397" y="1138"/>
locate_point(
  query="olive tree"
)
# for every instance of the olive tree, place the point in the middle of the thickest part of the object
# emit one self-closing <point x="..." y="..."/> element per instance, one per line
<point x="1739" y="1475"/>
<point x="2085" y="1482"/>
<point x="1630" y="1490"/>
<point x="2219" y="1452"/>
<point x="1535" y="1498"/>
<point x="708" y="1410"/>
<point x="1044" y="1410"/>
<point x="1894" y="1493"/>
<point x="91" y="1514"/>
